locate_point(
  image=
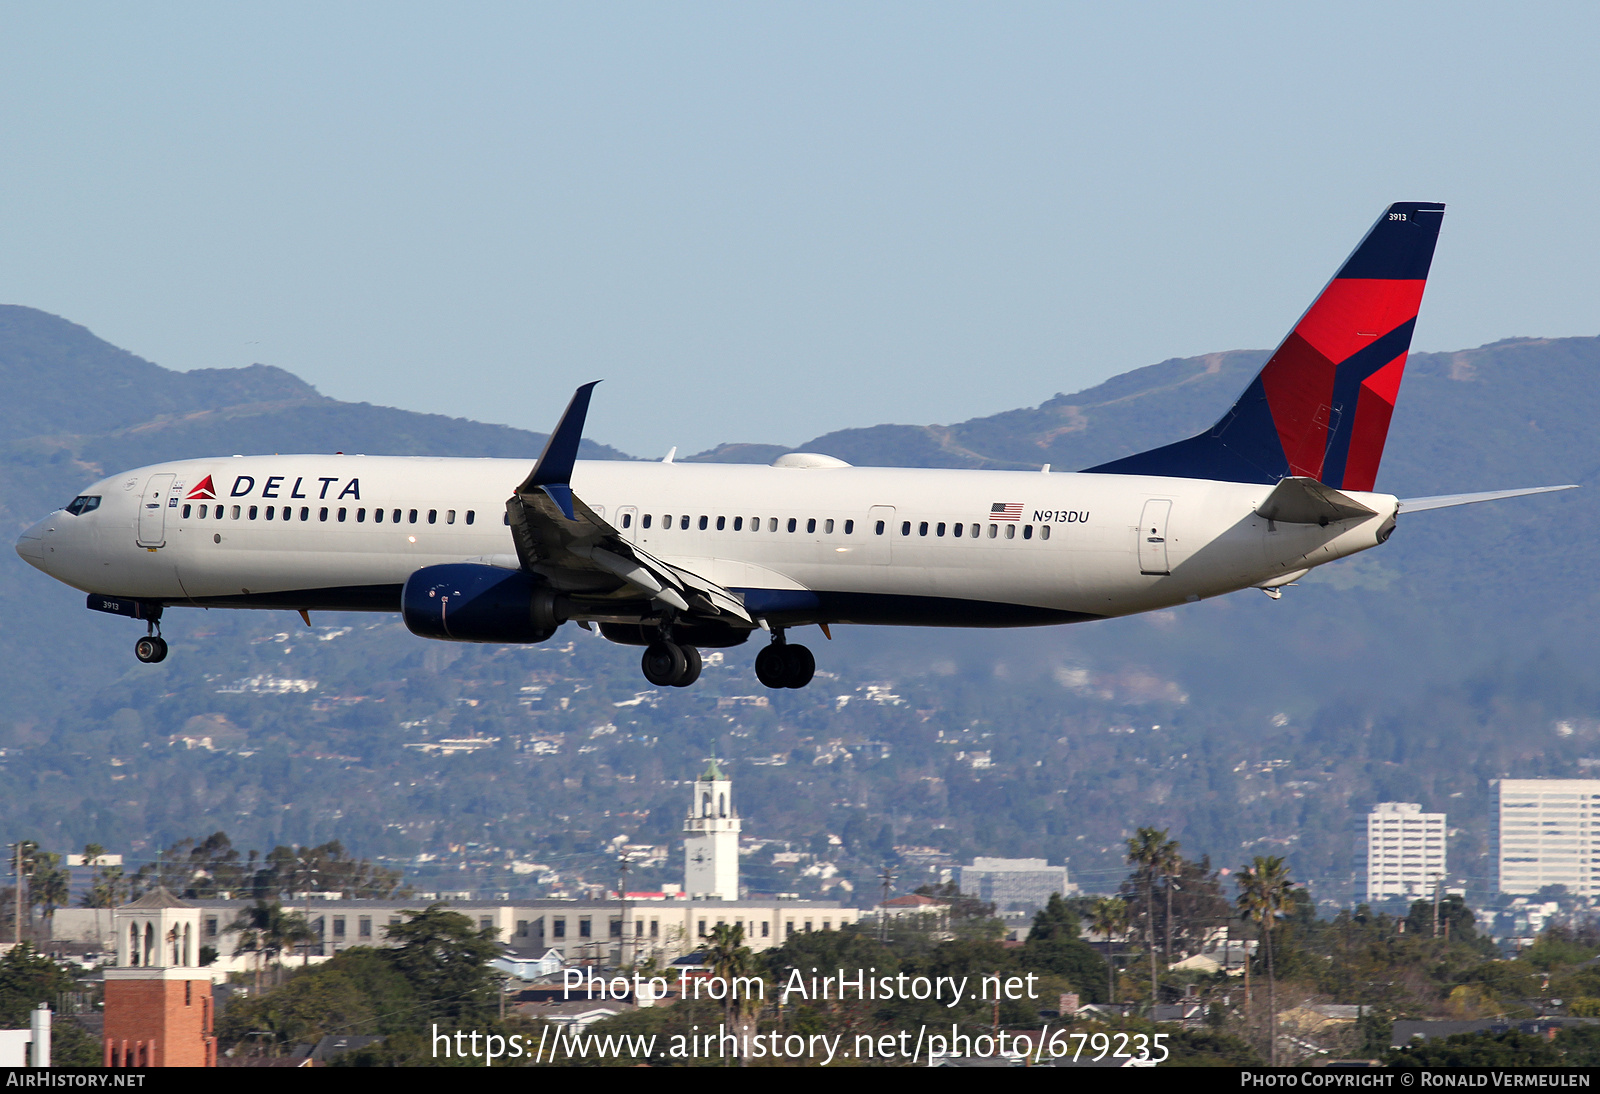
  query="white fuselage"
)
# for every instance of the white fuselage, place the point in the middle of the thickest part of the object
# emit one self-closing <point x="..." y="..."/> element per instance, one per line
<point x="878" y="545"/>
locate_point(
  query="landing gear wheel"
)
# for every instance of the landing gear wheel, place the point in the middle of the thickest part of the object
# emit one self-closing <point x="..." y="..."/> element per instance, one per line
<point x="664" y="664"/>
<point x="150" y="649"/>
<point x="781" y="665"/>
<point x="772" y="668"/>
<point x="800" y="666"/>
<point x="691" y="669"/>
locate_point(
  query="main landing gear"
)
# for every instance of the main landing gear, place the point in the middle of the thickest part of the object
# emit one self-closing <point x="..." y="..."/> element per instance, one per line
<point x="152" y="647"/>
<point x="781" y="665"/>
<point x="667" y="664"/>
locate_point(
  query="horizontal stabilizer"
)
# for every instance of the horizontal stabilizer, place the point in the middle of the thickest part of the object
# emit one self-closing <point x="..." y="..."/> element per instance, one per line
<point x="1446" y="501"/>
<point x="1300" y="500"/>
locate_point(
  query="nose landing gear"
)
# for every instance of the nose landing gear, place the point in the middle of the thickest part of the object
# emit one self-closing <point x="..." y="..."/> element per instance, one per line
<point x="152" y="648"/>
<point x="781" y="665"/>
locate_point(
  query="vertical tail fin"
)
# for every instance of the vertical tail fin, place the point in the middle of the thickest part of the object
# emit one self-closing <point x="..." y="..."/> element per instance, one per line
<point x="1320" y="408"/>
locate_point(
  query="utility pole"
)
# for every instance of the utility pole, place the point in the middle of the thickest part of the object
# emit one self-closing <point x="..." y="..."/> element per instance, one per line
<point x="887" y="877"/>
<point x="16" y="896"/>
<point x="622" y="912"/>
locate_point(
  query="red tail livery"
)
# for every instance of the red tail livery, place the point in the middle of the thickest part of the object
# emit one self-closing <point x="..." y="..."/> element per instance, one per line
<point x="1321" y="406"/>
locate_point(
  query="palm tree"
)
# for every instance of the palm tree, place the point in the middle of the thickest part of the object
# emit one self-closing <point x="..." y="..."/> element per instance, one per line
<point x="1108" y="916"/>
<point x="729" y="958"/>
<point x="267" y="931"/>
<point x="1148" y="851"/>
<point x="1169" y="864"/>
<point x="1266" y="892"/>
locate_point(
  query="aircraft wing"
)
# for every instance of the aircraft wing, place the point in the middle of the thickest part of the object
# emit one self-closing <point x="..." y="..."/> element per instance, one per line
<point x="1445" y="501"/>
<point x="562" y="540"/>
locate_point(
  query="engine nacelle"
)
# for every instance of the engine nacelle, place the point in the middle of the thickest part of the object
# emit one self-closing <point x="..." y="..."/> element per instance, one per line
<point x="468" y="602"/>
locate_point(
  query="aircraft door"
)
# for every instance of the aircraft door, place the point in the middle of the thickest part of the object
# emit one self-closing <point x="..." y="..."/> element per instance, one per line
<point x="153" y="510"/>
<point x="880" y="532"/>
<point x="628" y="522"/>
<point x="1153" y="537"/>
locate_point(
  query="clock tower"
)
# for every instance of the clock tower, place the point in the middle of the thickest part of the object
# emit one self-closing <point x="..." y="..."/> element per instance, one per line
<point x="711" y="851"/>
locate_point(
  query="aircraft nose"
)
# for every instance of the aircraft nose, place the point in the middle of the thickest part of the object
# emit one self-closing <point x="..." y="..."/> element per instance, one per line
<point x="30" y="545"/>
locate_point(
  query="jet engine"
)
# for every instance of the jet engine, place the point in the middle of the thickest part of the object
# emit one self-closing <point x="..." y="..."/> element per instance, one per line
<point x="469" y="602"/>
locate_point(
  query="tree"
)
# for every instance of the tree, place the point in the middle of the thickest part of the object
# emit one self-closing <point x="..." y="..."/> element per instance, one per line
<point x="1108" y="918"/>
<point x="28" y="978"/>
<point x="107" y="885"/>
<point x="446" y="960"/>
<point x="1152" y="853"/>
<point x="1265" y="892"/>
<point x="729" y="958"/>
<point x="1054" y="920"/>
<point x="1169" y="864"/>
<point x="267" y="931"/>
<point x="50" y="886"/>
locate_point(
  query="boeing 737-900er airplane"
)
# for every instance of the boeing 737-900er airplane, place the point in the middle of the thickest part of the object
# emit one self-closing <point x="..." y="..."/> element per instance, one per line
<point x="680" y="557"/>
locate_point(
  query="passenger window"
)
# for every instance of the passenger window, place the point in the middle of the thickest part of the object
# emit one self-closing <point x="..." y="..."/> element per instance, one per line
<point x="828" y="526"/>
<point x="683" y="523"/>
<point x="202" y="512"/>
<point x="449" y="516"/>
<point x="994" y="530"/>
<point x="1027" y="531"/>
<point x="772" y="524"/>
<point x="956" y="531"/>
<point x="186" y="509"/>
<point x="272" y="511"/>
<point x="850" y="527"/>
<point x="738" y="524"/>
<point x="905" y="528"/>
<point x="235" y="512"/>
<point x="939" y="531"/>
<point x="361" y="516"/>
<point x="343" y="512"/>
<point x="646" y="521"/>
<point x="666" y="522"/>
<point x="703" y="523"/>
<point x="324" y="514"/>
<point x="252" y="512"/>
<point x="1044" y="531"/>
<point x="722" y="522"/>
<point x="922" y="528"/>
<point x="974" y="531"/>
<point x="471" y="514"/>
<point x="413" y="516"/>
<point x="433" y="516"/>
<point x="879" y="529"/>
<point x="811" y="526"/>
<point x="791" y="524"/>
<point x="1011" y="531"/>
<point x="377" y="516"/>
<point x="627" y="520"/>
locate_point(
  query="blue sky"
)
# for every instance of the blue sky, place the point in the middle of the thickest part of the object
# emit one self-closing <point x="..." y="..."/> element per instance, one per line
<point x="765" y="222"/>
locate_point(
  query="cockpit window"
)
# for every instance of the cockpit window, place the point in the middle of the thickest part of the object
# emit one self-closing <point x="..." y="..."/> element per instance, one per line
<point x="84" y="503"/>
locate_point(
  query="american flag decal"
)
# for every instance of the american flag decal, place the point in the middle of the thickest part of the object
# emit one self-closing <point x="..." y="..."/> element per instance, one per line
<point x="1005" y="510"/>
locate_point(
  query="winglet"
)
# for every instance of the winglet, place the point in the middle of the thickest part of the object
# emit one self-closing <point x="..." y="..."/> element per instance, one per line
<point x="553" y="472"/>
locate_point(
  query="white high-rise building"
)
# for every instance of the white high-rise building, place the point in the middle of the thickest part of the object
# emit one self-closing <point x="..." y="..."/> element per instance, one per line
<point x="1405" y="851"/>
<point x="711" y="853"/>
<point x="1541" y="834"/>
